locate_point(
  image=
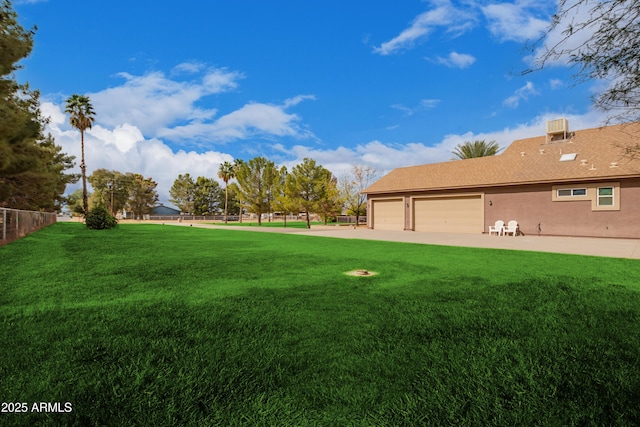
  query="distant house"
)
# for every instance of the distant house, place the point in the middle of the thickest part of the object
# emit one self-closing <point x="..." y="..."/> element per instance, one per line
<point x="563" y="183"/>
<point x="164" y="210"/>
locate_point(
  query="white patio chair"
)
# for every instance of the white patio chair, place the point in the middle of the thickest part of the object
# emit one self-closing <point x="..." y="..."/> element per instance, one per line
<point x="497" y="228"/>
<point x="512" y="227"/>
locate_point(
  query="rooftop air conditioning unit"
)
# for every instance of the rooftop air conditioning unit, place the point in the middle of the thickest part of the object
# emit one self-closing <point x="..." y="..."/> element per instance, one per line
<point x="558" y="126"/>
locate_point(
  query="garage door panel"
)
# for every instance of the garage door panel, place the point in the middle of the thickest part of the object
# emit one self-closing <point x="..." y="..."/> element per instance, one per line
<point x="388" y="215"/>
<point x="463" y="214"/>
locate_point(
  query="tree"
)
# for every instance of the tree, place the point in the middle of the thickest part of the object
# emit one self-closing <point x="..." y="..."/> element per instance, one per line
<point x="32" y="166"/>
<point x="603" y="44"/>
<point x="330" y="204"/>
<point x="206" y="196"/>
<point x="470" y="150"/>
<point x="18" y="131"/>
<point x="237" y="165"/>
<point x="255" y="178"/>
<point x="142" y="196"/>
<point x="281" y="202"/>
<point x="234" y="200"/>
<point x="307" y="186"/>
<point x="111" y="189"/>
<point x="82" y="118"/>
<point x="74" y="202"/>
<point x="182" y="193"/>
<point x="225" y="173"/>
<point x="352" y="187"/>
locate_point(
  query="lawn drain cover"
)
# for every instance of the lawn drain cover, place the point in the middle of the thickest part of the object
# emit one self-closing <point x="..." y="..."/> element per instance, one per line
<point x="361" y="273"/>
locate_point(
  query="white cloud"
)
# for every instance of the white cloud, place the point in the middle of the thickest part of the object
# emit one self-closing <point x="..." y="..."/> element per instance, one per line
<point x="519" y="20"/>
<point x="123" y="148"/>
<point x="253" y="119"/>
<point x="425" y="104"/>
<point x="521" y="94"/>
<point x="162" y="107"/>
<point x="188" y="68"/>
<point x="555" y="83"/>
<point x="457" y="60"/>
<point x="406" y="110"/>
<point x="153" y="101"/>
<point x="443" y="14"/>
<point x="428" y="104"/>
<point x="514" y="21"/>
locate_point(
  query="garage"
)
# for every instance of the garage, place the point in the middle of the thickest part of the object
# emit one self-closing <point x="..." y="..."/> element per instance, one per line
<point x="388" y="214"/>
<point x="453" y="214"/>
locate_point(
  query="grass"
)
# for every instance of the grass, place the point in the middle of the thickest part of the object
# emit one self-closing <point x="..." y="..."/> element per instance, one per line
<point x="152" y="325"/>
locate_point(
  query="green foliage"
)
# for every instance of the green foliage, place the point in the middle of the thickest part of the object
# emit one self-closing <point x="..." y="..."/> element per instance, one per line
<point x="182" y="193"/>
<point x="111" y="189"/>
<point x="207" y="196"/>
<point x="32" y="168"/>
<point x="272" y="333"/>
<point x="200" y="197"/>
<point x="256" y="180"/>
<point x="100" y="219"/>
<point x="81" y="117"/>
<point x="226" y="173"/>
<point x="142" y="194"/>
<point x="470" y="150"/>
<point x="312" y="188"/>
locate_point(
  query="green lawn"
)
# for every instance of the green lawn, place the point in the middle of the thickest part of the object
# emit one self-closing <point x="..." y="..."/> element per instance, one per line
<point x="152" y="325"/>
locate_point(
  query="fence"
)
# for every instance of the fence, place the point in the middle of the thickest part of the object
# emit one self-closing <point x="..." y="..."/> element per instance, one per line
<point x="15" y="223"/>
<point x="351" y="219"/>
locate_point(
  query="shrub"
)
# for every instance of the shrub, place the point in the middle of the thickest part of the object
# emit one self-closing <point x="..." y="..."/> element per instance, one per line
<point x="100" y="219"/>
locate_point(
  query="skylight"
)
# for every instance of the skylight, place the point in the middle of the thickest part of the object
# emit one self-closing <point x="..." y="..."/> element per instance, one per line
<point x="568" y="157"/>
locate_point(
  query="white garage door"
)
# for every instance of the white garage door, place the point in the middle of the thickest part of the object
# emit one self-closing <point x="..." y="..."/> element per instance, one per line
<point x="460" y="214"/>
<point x="388" y="214"/>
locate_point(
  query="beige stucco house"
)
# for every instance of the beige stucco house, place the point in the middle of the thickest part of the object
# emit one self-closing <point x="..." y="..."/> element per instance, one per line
<point x="580" y="183"/>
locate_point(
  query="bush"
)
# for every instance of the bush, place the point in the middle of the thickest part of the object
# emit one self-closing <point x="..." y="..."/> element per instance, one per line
<point x="100" y="219"/>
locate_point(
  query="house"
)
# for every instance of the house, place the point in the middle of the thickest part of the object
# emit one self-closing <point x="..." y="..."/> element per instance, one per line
<point x="164" y="210"/>
<point x="563" y="183"/>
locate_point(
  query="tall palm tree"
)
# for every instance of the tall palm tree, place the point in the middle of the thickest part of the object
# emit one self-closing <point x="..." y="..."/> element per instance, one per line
<point x="225" y="173"/>
<point x="237" y="165"/>
<point x="82" y="117"/>
<point x="469" y="149"/>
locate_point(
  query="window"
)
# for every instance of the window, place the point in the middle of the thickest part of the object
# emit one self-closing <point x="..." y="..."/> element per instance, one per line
<point x="572" y="192"/>
<point x="605" y="196"/>
<point x="568" y="157"/>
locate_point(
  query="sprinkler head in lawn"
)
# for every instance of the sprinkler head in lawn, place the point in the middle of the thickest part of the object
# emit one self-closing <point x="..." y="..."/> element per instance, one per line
<point x="361" y="273"/>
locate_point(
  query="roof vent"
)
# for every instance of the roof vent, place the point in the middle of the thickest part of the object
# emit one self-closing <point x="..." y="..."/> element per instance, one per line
<point x="614" y="165"/>
<point x="583" y="162"/>
<point x="557" y="128"/>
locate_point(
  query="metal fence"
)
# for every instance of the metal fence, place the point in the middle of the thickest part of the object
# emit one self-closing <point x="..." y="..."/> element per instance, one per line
<point x="350" y="219"/>
<point x="15" y="223"/>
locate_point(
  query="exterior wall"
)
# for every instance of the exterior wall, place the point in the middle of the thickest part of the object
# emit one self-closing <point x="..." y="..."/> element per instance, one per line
<point x="534" y="208"/>
<point x="537" y="213"/>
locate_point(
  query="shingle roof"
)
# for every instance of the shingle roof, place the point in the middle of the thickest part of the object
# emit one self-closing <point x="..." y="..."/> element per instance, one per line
<point x="599" y="155"/>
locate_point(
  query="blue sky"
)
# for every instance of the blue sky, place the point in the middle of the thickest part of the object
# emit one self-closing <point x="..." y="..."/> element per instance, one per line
<point x="181" y="86"/>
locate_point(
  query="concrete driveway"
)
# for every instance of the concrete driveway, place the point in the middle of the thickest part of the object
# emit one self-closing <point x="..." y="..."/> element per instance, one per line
<point x="617" y="248"/>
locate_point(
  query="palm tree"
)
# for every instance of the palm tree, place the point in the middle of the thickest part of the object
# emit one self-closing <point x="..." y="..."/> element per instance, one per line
<point x="469" y="149"/>
<point x="237" y="165"/>
<point x="225" y="173"/>
<point x="82" y="117"/>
